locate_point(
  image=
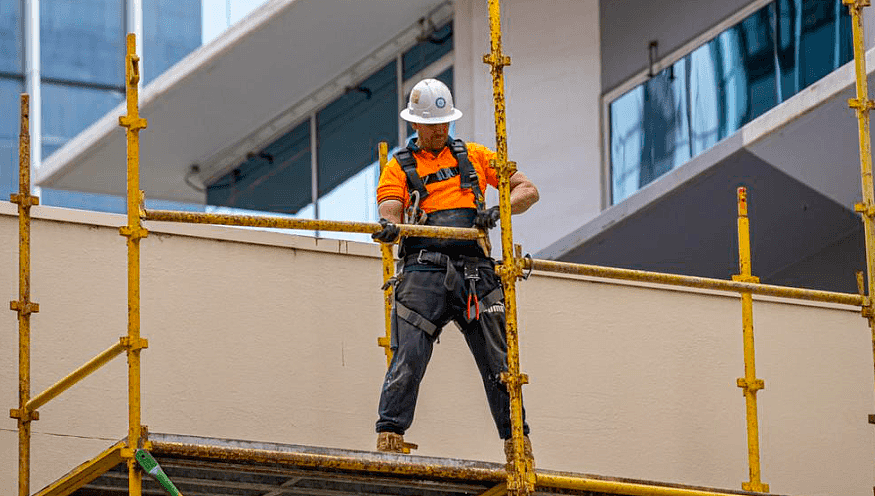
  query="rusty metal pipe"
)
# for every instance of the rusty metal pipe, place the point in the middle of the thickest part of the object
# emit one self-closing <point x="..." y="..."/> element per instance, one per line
<point x="693" y="281"/>
<point x="308" y="224"/>
<point x="74" y="377"/>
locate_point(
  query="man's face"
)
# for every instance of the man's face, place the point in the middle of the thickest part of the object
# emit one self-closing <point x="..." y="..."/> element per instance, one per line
<point x="432" y="136"/>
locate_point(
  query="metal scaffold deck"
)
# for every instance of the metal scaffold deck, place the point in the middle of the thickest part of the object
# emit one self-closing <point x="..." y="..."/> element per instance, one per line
<point x="208" y="466"/>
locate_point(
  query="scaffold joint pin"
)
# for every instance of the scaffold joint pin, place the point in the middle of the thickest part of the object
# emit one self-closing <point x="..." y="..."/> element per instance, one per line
<point x="134" y="233"/>
<point x="132" y="123"/>
<point x="134" y="344"/>
<point x="24" y="415"/>
<point x="861" y="104"/>
<point x="857" y="3"/>
<point x="753" y="386"/>
<point x="496" y="60"/>
<point x="24" y="200"/>
<point x="24" y="307"/>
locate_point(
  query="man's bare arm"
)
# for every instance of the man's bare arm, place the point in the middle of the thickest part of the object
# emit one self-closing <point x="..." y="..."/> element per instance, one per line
<point x="523" y="193"/>
<point x="391" y="210"/>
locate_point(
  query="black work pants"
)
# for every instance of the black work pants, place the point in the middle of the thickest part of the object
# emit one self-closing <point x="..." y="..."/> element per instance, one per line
<point x="424" y="290"/>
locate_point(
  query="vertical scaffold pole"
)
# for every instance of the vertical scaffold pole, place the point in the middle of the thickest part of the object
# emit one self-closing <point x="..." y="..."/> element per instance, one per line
<point x="522" y="479"/>
<point x="862" y="104"/>
<point x="23" y="305"/>
<point x="388" y="272"/>
<point x="749" y="383"/>
<point x="134" y="231"/>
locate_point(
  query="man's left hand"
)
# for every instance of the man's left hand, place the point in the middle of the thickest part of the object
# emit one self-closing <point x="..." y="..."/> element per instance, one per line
<point x="487" y="219"/>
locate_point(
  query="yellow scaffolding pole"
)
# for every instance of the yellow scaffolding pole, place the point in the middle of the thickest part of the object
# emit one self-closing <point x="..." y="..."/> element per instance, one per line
<point x="863" y="104"/>
<point x="134" y="231"/>
<point x="522" y="479"/>
<point x="388" y="273"/>
<point x="749" y="383"/>
<point x="23" y="305"/>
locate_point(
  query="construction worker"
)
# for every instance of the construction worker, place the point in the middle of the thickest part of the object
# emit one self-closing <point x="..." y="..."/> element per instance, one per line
<point x="439" y="181"/>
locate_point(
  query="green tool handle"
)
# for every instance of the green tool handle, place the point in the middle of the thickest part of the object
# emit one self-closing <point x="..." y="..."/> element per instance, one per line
<point x="151" y="467"/>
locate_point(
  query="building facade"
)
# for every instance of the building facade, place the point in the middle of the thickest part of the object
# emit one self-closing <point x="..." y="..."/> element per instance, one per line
<point x="74" y="61"/>
<point x="637" y="130"/>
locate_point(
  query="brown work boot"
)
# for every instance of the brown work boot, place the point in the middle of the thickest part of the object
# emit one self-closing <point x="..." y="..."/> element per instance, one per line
<point x="527" y="452"/>
<point x="390" y="442"/>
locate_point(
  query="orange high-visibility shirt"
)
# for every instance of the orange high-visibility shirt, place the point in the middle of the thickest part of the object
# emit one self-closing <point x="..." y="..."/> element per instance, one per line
<point x="442" y="195"/>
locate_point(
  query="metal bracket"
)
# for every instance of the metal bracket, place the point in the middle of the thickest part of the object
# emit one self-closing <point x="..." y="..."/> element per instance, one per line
<point x="24" y="200"/>
<point x="757" y="487"/>
<point x="132" y="123"/>
<point x="24" y="307"/>
<point x="856" y="3"/>
<point x="751" y="279"/>
<point x="872" y="419"/>
<point x="496" y="61"/>
<point x="26" y="416"/>
<point x="861" y="105"/>
<point x="507" y="378"/>
<point x="383" y="341"/>
<point x="867" y="210"/>
<point x="133" y="345"/>
<point x="753" y="387"/>
<point x="134" y="233"/>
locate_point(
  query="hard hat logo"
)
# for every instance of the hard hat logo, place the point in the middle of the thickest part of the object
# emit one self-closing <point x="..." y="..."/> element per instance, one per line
<point x="430" y="103"/>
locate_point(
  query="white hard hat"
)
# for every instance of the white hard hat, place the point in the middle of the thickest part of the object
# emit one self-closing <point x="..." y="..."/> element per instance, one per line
<point x="430" y="103"/>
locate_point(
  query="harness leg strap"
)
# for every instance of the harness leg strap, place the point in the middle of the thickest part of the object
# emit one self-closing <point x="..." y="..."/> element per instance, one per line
<point x="415" y="319"/>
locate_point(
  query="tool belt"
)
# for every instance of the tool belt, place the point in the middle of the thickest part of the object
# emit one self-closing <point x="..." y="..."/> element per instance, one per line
<point x="470" y="268"/>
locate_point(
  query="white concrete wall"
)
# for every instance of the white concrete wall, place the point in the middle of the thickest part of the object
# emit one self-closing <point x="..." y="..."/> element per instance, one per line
<point x="552" y="91"/>
<point x="272" y="337"/>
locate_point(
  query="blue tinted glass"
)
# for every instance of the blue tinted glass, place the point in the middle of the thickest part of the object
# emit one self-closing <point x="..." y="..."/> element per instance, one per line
<point x="814" y="38"/>
<point x="650" y="132"/>
<point x="83" y="40"/>
<point x="67" y="110"/>
<point x="427" y="51"/>
<point x="275" y="179"/>
<point x="10" y="37"/>
<point x="172" y="30"/>
<point x="10" y="98"/>
<point x="351" y="127"/>
<point x="723" y="85"/>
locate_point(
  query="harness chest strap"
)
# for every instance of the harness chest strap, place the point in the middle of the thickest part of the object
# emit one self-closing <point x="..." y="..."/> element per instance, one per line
<point x="468" y="175"/>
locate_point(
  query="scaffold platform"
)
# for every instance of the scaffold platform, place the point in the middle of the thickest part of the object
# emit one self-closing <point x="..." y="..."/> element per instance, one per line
<point x="201" y="466"/>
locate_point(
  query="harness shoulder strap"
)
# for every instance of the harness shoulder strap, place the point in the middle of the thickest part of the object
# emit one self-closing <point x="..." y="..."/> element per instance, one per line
<point x="407" y="162"/>
<point x="467" y="173"/>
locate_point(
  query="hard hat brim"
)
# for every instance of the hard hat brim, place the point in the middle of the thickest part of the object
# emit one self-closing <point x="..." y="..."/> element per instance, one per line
<point x="410" y="117"/>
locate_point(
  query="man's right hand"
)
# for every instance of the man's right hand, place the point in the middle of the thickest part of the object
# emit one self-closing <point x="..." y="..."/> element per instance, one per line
<point x="388" y="234"/>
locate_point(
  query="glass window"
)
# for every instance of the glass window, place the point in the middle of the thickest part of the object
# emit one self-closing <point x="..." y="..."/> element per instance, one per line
<point x="67" y="110"/>
<point x="172" y="30"/>
<point x="275" y="179"/>
<point x="723" y="85"/>
<point x="10" y="98"/>
<point x="83" y="40"/>
<point x="350" y="128"/>
<point x="427" y="51"/>
<point x="11" y="46"/>
<point x="354" y="200"/>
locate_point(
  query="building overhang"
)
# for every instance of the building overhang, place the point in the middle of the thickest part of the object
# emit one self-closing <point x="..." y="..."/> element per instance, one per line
<point x="236" y="93"/>
<point x="801" y="165"/>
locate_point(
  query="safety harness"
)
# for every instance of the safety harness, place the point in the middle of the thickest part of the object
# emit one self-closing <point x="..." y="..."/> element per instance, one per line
<point x="468" y="179"/>
<point x="416" y="184"/>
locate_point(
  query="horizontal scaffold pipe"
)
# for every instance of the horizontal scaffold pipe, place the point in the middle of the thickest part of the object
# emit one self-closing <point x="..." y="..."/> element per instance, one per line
<point x="458" y="470"/>
<point x="308" y="224"/>
<point x="618" y="487"/>
<point x="694" y="282"/>
<point x="75" y="376"/>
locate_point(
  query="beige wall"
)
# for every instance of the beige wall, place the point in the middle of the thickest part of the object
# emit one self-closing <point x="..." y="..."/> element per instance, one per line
<point x="272" y="337"/>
